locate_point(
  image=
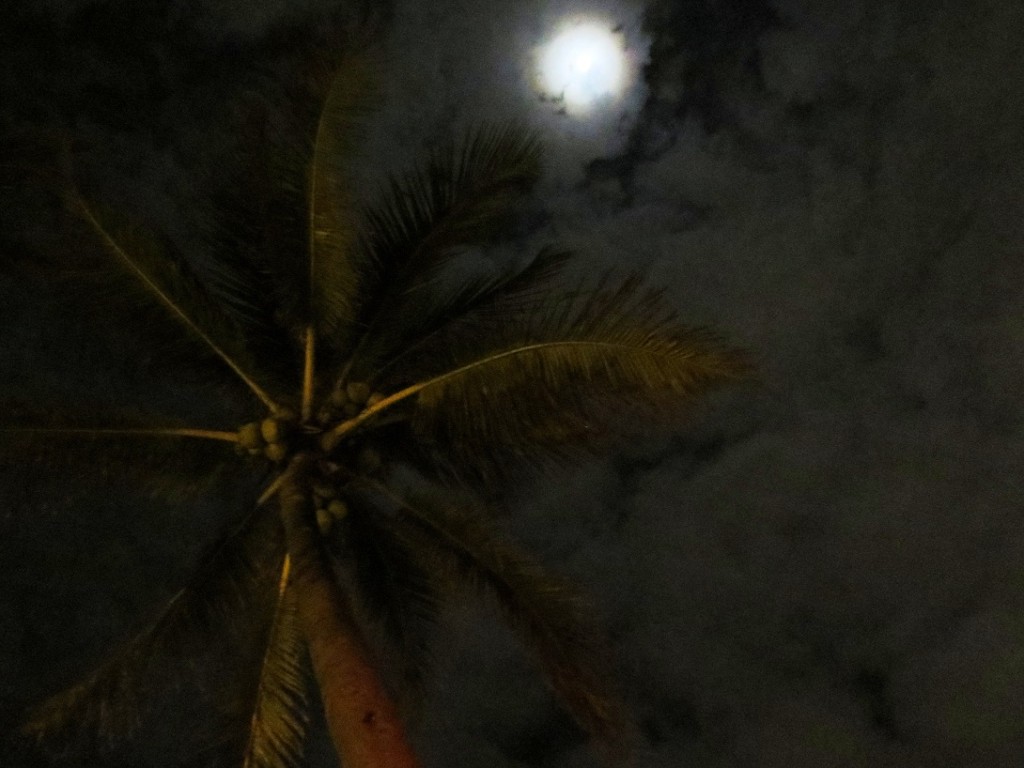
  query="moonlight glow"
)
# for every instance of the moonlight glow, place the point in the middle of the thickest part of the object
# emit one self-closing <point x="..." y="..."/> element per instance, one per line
<point x="582" y="65"/>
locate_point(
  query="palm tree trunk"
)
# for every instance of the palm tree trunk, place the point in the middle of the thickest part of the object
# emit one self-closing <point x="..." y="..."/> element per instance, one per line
<point x="362" y="718"/>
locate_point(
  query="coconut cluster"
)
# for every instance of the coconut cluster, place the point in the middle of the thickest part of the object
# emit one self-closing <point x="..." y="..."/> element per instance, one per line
<point x="348" y="401"/>
<point x="329" y="507"/>
<point x="269" y="437"/>
<point x="278" y="436"/>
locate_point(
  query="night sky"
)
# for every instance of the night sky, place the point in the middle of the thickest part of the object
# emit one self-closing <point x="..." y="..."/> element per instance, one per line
<point x="826" y="566"/>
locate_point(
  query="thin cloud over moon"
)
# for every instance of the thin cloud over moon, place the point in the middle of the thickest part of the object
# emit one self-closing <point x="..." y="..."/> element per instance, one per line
<point x="583" y="64"/>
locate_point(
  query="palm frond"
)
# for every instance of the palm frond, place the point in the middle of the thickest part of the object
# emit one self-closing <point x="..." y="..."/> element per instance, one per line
<point x="106" y="707"/>
<point x="170" y="284"/>
<point x="396" y="589"/>
<point x="463" y="197"/>
<point x="501" y="388"/>
<point x="259" y="229"/>
<point x="258" y="232"/>
<point x="510" y="292"/>
<point x="169" y="459"/>
<point x="334" y="273"/>
<point x="221" y="299"/>
<point x="247" y="290"/>
<point x="551" y="620"/>
<point x="279" y="708"/>
<point x="288" y="213"/>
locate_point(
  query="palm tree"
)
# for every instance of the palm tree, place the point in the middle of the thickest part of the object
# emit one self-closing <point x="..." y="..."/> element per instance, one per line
<point x="385" y="392"/>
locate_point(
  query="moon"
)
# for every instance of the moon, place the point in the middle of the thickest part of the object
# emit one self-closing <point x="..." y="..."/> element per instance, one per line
<point x="582" y="65"/>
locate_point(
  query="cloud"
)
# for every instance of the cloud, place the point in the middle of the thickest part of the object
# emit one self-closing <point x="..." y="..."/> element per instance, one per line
<point x="822" y="590"/>
<point x="825" y="566"/>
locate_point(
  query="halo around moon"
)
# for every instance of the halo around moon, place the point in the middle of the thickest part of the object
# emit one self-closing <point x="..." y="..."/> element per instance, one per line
<point x="582" y="65"/>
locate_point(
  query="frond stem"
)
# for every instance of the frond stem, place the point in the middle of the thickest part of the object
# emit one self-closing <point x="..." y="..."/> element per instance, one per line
<point x="271" y="490"/>
<point x="314" y="164"/>
<point x="205" y="434"/>
<point x="308" y="371"/>
<point x="168" y="302"/>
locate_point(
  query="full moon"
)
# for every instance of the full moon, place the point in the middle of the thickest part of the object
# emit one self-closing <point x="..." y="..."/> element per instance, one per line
<point x="582" y="65"/>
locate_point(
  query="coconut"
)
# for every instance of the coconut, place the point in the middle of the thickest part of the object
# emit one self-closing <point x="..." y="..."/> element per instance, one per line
<point x="337" y="508"/>
<point x="375" y="398"/>
<point x="271" y="429"/>
<point x="338" y="398"/>
<point x="324" y="519"/>
<point x="352" y="409"/>
<point x="276" y="452"/>
<point x="249" y="436"/>
<point x="357" y="391"/>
